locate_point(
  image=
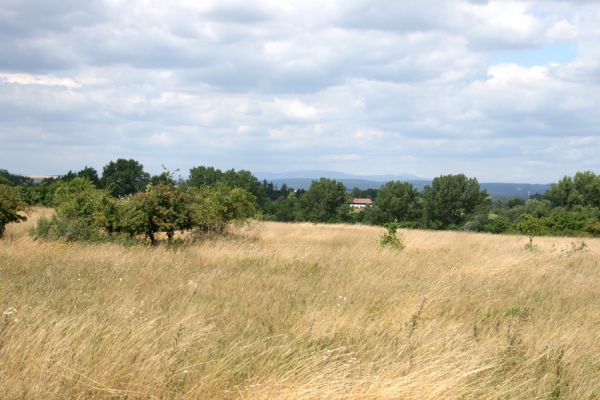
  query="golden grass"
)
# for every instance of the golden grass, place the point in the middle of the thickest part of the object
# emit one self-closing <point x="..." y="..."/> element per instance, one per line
<point x="298" y="311"/>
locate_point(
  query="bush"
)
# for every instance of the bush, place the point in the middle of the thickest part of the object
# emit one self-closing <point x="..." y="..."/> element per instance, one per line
<point x="389" y="239"/>
<point x="77" y="210"/>
<point x="213" y="208"/>
<point x="593" y="227"/>
<point x="70" y="230"/>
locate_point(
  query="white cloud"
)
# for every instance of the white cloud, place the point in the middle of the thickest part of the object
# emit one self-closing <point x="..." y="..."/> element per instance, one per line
<point x="342" y="157"/>
<point x="40" y="80"/>
<point x="296" y="109"/>
<point x="273" y="85"/>
<point x="161" y="138"/>
<point x="562" y="30"/>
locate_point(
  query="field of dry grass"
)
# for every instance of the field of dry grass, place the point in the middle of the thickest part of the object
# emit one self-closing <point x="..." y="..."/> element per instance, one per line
<point x="297" y="311"/>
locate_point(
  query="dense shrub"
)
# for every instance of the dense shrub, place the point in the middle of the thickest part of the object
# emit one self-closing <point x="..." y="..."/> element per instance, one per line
<point x="78" y="205"/>
<point x="68" y="229"/>
<point x="213" y="208"/>
<point x="11" y="207"/>
<point x="89" y="214"/>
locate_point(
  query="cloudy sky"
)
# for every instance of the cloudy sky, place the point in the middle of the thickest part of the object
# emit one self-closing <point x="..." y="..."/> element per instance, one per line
<point x="502" y="90"/>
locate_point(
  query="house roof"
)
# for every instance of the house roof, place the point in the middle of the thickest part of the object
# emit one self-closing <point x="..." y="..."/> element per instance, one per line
<point x="367" y="202"/>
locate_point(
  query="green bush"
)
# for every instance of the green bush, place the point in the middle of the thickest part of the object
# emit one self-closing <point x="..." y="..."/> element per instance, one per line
<point x="77" y="209"/>
<point x="390" y="239"/>
<point x="70" y="230"/>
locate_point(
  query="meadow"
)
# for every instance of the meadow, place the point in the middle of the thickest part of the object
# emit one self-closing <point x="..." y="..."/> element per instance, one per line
<point x="301" y="311"/>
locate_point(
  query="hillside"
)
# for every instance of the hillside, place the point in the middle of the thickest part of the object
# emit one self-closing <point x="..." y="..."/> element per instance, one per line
<point x="298" y="311"/>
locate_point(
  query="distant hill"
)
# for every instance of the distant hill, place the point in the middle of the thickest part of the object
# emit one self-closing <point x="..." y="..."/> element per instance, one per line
<point x="303" y="179"/>
<point x="316" y="174"/>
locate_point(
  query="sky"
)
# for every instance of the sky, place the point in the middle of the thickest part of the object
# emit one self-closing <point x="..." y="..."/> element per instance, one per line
<point x="506" y="91"/>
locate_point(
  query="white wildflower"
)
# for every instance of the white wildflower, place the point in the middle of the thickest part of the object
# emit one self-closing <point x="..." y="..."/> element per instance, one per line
<point x="10" y="311"/>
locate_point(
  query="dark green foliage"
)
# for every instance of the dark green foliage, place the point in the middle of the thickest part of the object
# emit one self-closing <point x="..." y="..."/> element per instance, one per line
<point x="7" y="178"/>
<point x="581" y="190"/>
<point x="285" y="209"/>
<point x="11" y="207"/>
<point x="204" y="176"/>
<point x="450" y="199"/>
<point x="208" y="176"/>
<point x="70" y="230"/>
<point x="124" y="177"/>
<point x="325" y="201"/>
<point x="90" y="174"/>
<point x="273" y="193"/>
<point x="364" y="194"/>
<point x="396" y="201"/>
<point x="41" y="194"/>
<point x="487" y="222"/>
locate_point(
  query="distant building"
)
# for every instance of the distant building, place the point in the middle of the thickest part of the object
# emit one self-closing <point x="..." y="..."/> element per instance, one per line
<point x="361" y="203"/>
<point x="37" y="179"/>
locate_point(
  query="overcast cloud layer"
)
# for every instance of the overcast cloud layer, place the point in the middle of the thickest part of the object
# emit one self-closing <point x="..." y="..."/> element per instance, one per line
<point x="501" y="90"/>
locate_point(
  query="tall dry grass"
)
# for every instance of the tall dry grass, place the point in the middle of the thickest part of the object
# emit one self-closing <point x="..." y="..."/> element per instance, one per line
<point x="295" y="311"/>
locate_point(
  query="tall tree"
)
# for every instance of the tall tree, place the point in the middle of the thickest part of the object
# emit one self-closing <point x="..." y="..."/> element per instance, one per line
<point x="90" y="174"/>
<point x="124" y="177"/>
<point x="581" y="190"/>
<point x="396" y="201"/>
<point x="450" y="199"/>
<point x="204" y="176"/>
<point x="245" y="180"/>
<point x="325" y="201"/>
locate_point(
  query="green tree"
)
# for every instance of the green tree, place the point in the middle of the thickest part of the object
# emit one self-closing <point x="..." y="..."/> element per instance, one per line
<point x="204" y="176"/>
<point x="581" y="190"/>
<point x="560" y="193"/>
<point x="90" y="174"/>
<point x="587" y="189"/>
<point x="162" y="208"/>
<point x="11" y="207"/>
<point x="283" y="209"/>
<point x="396" y="201"/>
<point x="245" y="180"/>
<point x="124" y="177"/>
<point x="531" y="226"/>
<point x="208" y="176"/>
<point x="325" y="201"/>
<point x="451" y="199"/>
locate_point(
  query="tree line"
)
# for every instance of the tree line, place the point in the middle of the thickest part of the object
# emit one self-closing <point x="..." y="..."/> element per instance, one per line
<point x="128" y="200"/>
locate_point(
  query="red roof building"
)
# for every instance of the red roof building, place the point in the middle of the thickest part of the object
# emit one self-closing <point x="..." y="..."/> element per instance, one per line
<point x="361" y="203"/>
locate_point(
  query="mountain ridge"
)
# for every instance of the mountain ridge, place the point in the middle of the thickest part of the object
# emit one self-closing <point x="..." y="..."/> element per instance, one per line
<point x="303" y="179"/>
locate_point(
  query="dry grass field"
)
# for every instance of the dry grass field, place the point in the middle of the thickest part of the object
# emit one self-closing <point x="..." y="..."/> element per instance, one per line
<point x="298" y="311"/>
